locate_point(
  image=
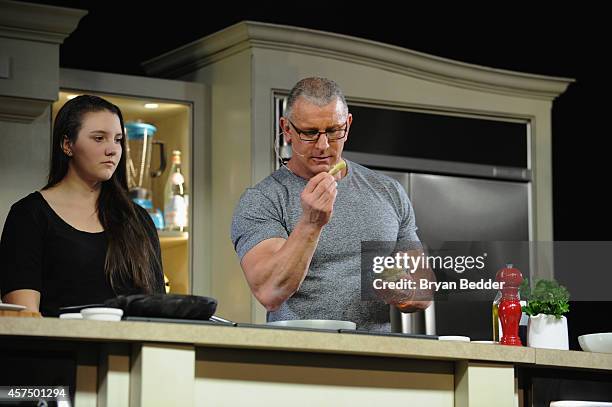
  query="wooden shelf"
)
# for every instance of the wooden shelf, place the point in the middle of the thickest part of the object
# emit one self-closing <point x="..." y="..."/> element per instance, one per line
<point x="175" y="260"/>
<point x="172" y="239"/>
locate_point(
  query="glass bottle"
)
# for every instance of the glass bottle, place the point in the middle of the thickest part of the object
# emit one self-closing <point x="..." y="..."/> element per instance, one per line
<point x="175" y="197"/>
<point x="496" y="324"/>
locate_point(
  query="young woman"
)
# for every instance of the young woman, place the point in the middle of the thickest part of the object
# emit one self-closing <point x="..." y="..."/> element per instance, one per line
<point x="80" y="240"/>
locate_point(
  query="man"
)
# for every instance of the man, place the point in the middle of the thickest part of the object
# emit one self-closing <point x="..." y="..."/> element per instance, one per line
<point x="298" y="232"/>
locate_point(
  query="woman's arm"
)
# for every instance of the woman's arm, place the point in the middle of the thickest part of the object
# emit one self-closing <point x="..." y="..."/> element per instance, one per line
<point x="28" y="298"/>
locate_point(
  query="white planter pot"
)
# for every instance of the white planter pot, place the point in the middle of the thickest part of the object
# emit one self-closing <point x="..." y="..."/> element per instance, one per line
<point x="546" y="331"/>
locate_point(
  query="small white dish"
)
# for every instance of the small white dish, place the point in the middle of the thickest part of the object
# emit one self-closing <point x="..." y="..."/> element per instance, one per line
<point x="71" y="315"/>
<point x="11" y="307"/>
<point x="315" y="324"/>
<point x="601" y="342"/>
<point x="486" y="342"/>
<point x="102" y="314"/>
<point x="578" y="403"/>
<point x="455" y="338"/>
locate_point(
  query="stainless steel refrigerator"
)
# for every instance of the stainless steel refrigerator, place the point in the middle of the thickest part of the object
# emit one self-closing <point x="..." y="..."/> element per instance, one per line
<point x="453" y="208"/>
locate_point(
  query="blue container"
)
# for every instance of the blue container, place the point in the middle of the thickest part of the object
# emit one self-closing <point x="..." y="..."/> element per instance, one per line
<point x="155" y="214"/>
<point x="137" y="130"/>
<point x="158" y="219"/>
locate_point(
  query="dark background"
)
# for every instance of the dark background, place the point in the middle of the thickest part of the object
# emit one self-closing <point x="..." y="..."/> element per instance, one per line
<point x="563" y="40"/>
<point x="118" y="36"/>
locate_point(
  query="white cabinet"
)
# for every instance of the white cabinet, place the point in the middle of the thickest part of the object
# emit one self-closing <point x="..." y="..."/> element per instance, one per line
<point x="30" y="36"/>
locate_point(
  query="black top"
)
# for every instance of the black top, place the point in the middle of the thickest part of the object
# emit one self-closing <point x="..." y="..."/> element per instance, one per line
<point x="40" y="251"/>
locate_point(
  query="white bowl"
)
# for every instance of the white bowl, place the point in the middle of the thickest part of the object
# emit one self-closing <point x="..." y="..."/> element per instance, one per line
<point x="601" y="342"/>
<point x="102" y="314"/>
<point x="316" y="324"/>
<point x="71" y="315"/>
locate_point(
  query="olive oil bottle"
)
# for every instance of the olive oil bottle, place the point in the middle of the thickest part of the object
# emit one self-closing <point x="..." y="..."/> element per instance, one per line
<point x="496" y="324"/>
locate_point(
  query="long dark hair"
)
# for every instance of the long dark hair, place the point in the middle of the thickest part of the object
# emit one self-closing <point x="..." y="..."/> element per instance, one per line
<point x="130" y="257"/>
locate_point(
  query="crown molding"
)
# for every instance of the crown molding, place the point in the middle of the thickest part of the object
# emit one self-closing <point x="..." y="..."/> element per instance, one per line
<point x="249" y="34"/>
<point x="22" y="110"/>
<point x="37" y="22"/>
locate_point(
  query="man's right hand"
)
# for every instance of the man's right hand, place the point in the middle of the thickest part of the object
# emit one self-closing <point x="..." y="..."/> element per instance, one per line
<point x="318" y="199"/>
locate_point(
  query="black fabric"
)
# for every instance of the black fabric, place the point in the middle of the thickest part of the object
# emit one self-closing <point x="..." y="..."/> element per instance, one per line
<point x="165" y="306"/>
<point x="40" y="251"/>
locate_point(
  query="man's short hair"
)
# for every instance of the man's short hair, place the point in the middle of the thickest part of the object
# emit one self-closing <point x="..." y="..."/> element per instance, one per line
<point x="318" y="91"/>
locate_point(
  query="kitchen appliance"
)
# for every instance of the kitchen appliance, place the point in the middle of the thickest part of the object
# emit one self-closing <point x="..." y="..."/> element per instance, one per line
<point x="462" y="209"/>
<point x="139" y="145"/>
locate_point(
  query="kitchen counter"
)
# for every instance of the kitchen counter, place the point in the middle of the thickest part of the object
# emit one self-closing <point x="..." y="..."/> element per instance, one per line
<point x="264" y="338"/>
<point x="208" y="361"/>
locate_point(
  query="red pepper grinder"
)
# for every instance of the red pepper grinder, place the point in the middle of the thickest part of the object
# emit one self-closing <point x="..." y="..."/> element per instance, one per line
<point x="510" y="305"/>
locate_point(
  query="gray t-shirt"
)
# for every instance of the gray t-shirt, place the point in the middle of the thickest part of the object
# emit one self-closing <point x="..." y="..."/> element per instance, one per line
<point x="369" y="207"/>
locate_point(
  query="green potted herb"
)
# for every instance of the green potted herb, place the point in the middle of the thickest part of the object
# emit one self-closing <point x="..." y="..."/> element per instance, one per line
<point x="547" y="302"/>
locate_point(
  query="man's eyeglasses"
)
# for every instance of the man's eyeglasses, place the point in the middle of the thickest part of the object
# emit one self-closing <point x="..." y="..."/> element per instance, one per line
<point x="312" y="136"/>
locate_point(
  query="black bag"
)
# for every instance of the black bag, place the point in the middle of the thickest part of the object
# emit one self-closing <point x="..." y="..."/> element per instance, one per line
<point x="174" y="306"/>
